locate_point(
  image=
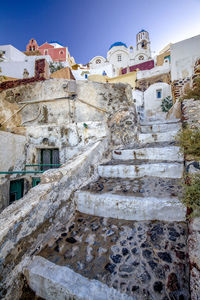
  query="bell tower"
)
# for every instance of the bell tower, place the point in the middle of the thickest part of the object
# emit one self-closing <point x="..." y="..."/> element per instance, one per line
<point x="143" y="44"/>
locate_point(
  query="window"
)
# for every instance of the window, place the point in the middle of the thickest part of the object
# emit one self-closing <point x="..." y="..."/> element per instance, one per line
<point x="61" y="52"/>
<point x="16" y="190"/>
<point x="33" y="48"/>
<point x="30" y="48"/>
<point x="131" y="49"/>
<point x="86" y="76"/>
<point x="98" y="61"/>
<point x="49" y="157"/>
<point x="141" y="57"/>
<point x="119" y="57"/>
<point x="159" y="94"/>
<point x="46" y="52"/>
<point x="35" y="181"/>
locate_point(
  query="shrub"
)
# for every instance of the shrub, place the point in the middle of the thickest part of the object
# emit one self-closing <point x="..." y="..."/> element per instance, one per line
<point x="193" y="93"/>
<point x="166" y="104"/>
<point x="189" y="140"/>
<point x="191" y="195"/>
<point x="55" y="67"/>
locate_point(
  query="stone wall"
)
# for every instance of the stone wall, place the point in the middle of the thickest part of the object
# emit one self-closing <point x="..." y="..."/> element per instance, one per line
<point x="191" y="116"/>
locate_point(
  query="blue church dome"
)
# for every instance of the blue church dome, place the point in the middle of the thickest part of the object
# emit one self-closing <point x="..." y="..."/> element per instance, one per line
<point x="117" y="44"/>
<point x="142" y="31"/>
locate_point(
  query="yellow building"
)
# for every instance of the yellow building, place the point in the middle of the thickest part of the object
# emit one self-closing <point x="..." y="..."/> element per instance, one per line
<point x="129" y="78"/>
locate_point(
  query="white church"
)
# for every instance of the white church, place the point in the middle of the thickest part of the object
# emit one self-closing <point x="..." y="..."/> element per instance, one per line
<point x="121" y="56"/>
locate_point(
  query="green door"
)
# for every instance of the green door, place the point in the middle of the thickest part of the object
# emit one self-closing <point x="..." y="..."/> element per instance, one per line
<point x="16" y="190"/>
<point x="35" y="181"/>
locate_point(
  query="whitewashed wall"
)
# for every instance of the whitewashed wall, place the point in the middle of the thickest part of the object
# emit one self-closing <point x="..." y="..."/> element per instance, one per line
<point x="152" y="104"/>
<point x="183" y="57"/>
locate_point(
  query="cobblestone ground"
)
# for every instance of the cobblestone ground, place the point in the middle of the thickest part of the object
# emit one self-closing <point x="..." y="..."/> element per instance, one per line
<point x="147" y="260"/>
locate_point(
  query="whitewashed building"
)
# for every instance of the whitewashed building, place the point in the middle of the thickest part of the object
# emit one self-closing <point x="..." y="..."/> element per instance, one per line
<point x="16" y="63"/>
<point x="120" y="55"/>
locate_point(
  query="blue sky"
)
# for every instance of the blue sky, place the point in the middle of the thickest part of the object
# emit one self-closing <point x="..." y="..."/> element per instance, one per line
<point x="89" y="27"/>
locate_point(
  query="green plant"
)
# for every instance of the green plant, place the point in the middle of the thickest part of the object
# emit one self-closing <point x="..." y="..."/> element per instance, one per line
<point x="55" y="67"/>
<point x="189" y="141"/>
<point x="191" y="195"/>
<point x="193" y="93"/>
<point x="166" y="104"/>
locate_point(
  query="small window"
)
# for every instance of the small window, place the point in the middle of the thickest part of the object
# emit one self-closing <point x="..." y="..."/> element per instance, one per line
<point x="61" y="52"/>
<point x="159" y="94"/>
<point x="86" y="76"/>
<point x="33" y="48"/>
<point x="46" y="52"/>
<point x="30" y="48"/>
<point x="141" y="57"/>
<point x="98" y="61"/>
<point x="131" y="49"/>
<point x="119" y="57"/>
<point x="49" y="159"/>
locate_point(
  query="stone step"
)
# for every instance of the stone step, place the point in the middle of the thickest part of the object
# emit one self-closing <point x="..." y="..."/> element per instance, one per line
<point x="159" y="137"/>
<point x="170" y="153"/>
<point x="139" y="187"/>
<point x="131" y="171"/>
<point x="130" y="207"/>
<point x="162" y="127"/>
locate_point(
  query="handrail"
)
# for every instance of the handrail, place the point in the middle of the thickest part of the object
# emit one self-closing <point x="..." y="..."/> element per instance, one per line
<point x="20" y="172"/>
<point x="45" y="165"/>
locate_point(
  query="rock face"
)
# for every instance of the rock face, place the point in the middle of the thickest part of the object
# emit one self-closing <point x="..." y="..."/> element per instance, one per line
<point x="191" y="116"/>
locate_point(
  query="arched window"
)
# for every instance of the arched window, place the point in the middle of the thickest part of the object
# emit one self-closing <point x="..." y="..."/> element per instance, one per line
<point x="61" y="52"/>
<point x="30" y="49"/>
<point x="144" y="44"/>
<point x="46" y="52"/>
<point x="33" y="48"/>
<point x="131" y="49"/>
<point x="98" y="61"/>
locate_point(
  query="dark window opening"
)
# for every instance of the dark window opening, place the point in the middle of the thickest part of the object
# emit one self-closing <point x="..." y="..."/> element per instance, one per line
<point x="49" y="157"/>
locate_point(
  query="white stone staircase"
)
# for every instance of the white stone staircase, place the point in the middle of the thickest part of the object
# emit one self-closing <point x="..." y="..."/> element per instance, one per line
<point x="155" y="157"/>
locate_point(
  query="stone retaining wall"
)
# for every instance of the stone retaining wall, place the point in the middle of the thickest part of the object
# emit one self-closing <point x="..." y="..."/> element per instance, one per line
<point x="191" y="116"/>
<point x="27" y="224"/>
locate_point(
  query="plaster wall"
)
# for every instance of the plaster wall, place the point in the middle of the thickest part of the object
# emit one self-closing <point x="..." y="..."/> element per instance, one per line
<point x="183" y="57"/>
<point x="152" y="104"/>
<point x="12" y="157"/>
<point x="158" y="70"/>
<point x="12" y="53"/>
<point x="15" y="68"/>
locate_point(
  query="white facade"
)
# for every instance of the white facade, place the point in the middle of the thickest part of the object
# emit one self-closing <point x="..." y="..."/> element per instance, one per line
<point x="11" y="53"/>
<point x="16" y="62"/>
<point x="121" y="56"/>
<point x="153" y="98"/>
<point x="81" y="74"/>
<point x="183" y="57"/>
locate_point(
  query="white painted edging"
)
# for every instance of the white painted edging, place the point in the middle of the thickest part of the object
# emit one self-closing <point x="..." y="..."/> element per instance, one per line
<point x="160" y="127"/>
<point x="54" y="282"/>
<point x="170" y="153"/>
<point x="163" y="170"/>
<point x="130" y="207"/>
<point x="167" y="136"/>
